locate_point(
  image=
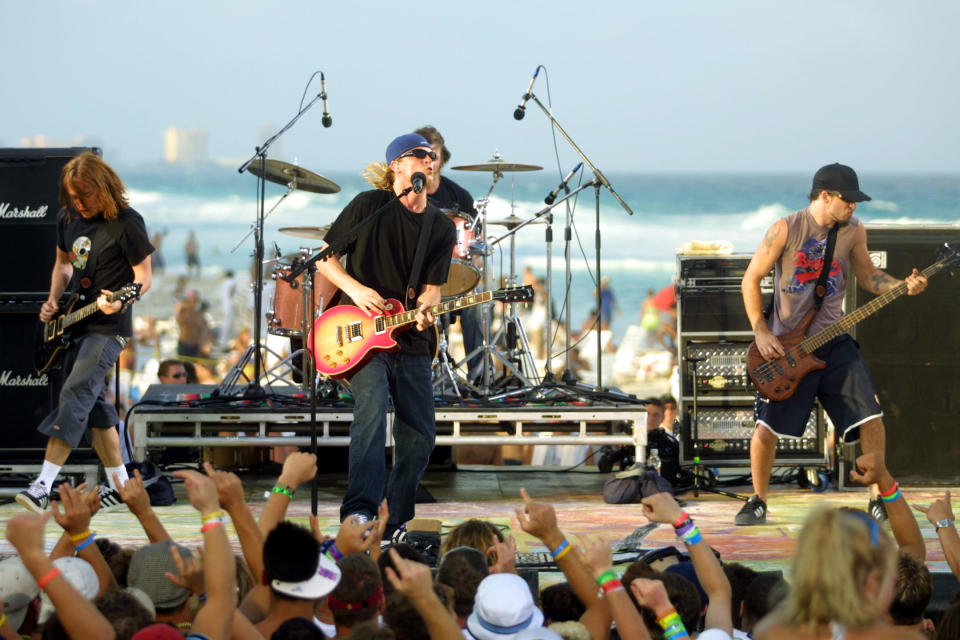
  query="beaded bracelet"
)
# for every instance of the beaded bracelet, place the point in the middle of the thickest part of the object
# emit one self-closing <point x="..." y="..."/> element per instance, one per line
<point x="45" y="580"/>
<point x="893" y="494"/>
<point x="80" y="536"/>
<point x="287" y="491"/>
<point x="211" y="525"/>
<point x="86" y="543"/>
<point x="213" y="514"/>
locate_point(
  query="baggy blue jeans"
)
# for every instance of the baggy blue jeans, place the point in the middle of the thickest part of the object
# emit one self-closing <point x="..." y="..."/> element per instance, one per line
<point x="404" y="379"/>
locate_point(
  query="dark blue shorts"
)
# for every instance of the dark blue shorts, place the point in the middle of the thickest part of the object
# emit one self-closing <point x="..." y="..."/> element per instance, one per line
<point x="845" y="390"/>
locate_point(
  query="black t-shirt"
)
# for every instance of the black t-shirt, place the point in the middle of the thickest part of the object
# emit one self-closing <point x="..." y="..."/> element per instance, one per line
<point x="450" y="195"/>
<point x="125" y="244"/>
<point x="382" y="254"/>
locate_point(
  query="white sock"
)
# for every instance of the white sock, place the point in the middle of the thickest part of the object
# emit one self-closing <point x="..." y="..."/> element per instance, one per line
<point x="121" y="473"/>
<point x="48" y="473"/>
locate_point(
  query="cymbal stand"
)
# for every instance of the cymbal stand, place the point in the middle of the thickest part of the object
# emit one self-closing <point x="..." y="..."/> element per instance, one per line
<point x="254" y="389"/>
<point x="445" y="372"/>
<point x="291" y="187"/>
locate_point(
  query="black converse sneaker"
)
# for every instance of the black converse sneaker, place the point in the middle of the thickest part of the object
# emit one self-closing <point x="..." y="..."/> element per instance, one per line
<point x="753" y="512"/>
<point x="110" y="500"/>
<point x="35" y="497"/>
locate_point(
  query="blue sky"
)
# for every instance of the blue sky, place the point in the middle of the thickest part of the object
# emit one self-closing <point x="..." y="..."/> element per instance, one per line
<point x="642" y="86"/>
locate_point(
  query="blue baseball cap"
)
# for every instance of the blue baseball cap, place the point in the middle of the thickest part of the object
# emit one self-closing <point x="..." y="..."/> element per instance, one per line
<point x="404" y="143"/>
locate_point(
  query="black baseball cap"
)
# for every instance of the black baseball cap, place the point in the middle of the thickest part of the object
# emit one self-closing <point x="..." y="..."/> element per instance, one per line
<point x="839" y="177"/>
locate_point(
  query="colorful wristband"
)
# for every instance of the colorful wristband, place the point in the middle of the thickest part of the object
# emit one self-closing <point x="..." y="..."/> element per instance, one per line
<point x="285" y="490"/>
<point x="3" y="619"/>
<point x="333" y="553"/>
<point x="681" y="520"/>
<point x="86" y="543"/>
<point x="211" y="525"/>
<point x="692" y="537"/>
<point x="611" y="585"/>
<point x="80" y="536"/>
<point x="212" y="515"/>
<point x="565" y="551"/>
<point x="561" y="549"/>
<point x="606" y="576"/>
<point x="893" y="494"/>
<point x="45" y="580"/>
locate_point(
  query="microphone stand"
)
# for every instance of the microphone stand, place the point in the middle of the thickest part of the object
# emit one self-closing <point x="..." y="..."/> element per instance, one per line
<point x="254" y="390"/>
<point x="600" y="180"/>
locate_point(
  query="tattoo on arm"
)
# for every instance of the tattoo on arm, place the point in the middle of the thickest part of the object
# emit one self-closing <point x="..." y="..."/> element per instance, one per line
<point x="883" y="282"/>
<point x="771" y="236"/>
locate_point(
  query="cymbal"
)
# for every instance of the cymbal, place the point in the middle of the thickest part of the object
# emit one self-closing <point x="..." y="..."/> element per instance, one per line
<point x="512" y="221"/>
<point x="314" y="233"/>
<point x="290" y="257"/>
<point x="303" y="179"/>
<point x="497" y="164"/>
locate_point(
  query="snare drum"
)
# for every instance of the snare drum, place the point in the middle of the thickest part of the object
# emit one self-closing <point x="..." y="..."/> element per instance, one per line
<point x="463" y="276"/>
<point x="285" y="317"/>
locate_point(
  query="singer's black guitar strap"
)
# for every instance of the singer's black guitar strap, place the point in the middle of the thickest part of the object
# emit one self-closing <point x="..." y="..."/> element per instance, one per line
<point x="429" y="214"/>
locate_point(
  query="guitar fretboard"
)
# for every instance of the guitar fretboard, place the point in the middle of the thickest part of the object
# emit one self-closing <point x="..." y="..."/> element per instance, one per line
<point x="410" y="316"/>
<point x="841" y="326"/>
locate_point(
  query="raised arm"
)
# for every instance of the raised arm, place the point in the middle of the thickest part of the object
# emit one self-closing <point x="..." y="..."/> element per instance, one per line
<point x="299" y="467"/>
<point x="414" y="581"/>
<point x="661" y="507"/>
<point x="135" y="496"/>
<point x="903" y="524"/>
<point x="599" y="558"/>
<point x="75" y="520"/>
<point x="940" y="511"/>
<point x="231" y="497"/>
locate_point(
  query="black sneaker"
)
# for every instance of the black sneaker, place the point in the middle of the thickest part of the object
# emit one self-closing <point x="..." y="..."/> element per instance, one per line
<point x="110" y="500"/>
<point x="35" y="497"/>
<point x="877" y="509"/>
<point x="753" y="512"/>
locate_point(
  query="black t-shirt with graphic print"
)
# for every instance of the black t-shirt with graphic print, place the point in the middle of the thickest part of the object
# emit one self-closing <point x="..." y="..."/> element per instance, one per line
<point x="125" y="244"/>
<point x="382" y="254"/>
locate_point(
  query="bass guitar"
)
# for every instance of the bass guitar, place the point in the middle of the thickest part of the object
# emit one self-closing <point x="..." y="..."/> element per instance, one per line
<point x="777" y="379"/>
<point x="54" y="337"/>
<point x="344" y="337"/>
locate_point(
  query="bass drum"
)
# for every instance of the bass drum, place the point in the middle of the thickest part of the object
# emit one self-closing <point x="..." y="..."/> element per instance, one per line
<point x="285" y="317"/>
<point x="463" y="275"/>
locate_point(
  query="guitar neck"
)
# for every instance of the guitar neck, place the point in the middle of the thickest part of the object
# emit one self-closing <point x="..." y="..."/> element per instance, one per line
<point x="845" y="323"/>
<point x="409" y="317"/>
<point x="85" y="311"/>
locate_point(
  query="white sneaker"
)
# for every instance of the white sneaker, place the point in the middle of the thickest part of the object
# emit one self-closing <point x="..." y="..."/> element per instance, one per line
<point x="35" y="497"/>
<point x="110" y="500"/>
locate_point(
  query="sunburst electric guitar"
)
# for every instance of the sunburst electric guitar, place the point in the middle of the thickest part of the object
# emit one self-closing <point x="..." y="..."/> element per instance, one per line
<point x="345" y="336"/>
<point x="778" y="379"/>
<point x="54" y="337"/>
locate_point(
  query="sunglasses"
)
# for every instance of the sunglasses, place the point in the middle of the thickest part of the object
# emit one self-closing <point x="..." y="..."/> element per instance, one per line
<point x="837" y="194"/>
<point x="418" y="153"/>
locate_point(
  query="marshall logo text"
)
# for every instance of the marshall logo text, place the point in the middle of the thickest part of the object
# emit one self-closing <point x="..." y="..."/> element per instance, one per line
<point x="26" y="212"/>
<point x="7" y="379"/>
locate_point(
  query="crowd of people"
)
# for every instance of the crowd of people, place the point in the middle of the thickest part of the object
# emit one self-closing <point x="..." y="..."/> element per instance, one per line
<point x="850" y="578"/>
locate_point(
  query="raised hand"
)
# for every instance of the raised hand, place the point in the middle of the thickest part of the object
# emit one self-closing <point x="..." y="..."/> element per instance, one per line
<point x="412" y="579"/>
<point x="537" y="518"/>
<point x="229" y="488"/>
<point x="598" y="555"/>
<point x="299" y="467"/>
<point x="134" y="494"/>
<point x="504" y="554"/>
<point x="938" y="510"/>
<point x="651" y="594"/>
<point x="870" y="469"/>
<point x="25" y="532"/>
<point x="201" y="490"/>
<point x="190" y="570"/>
<point x="661" y="507"/>
<point x="75" y="517"/>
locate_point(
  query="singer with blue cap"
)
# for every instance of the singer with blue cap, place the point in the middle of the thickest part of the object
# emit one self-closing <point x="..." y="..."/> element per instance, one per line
<point x="380" y="265"/>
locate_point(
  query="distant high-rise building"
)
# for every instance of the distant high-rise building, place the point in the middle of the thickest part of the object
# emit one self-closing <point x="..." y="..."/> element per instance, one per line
<point x="185" y="146"/>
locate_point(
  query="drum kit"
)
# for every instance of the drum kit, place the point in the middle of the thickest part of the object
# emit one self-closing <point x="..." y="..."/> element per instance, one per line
<point x="297" y="302"/>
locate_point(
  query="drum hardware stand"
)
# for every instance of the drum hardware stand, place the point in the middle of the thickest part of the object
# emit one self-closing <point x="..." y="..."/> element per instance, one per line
<point x="254" y="389"/>
<point x="291" y="187"/>
<point x="445" y="372"/>
<point x="599" y="179"/>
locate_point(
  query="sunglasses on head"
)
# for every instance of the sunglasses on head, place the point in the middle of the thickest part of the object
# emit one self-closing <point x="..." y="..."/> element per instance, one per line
<point x="419" y="153"/>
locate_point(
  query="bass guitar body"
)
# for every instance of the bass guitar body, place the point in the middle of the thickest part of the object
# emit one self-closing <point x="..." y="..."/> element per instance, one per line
<point x="778" y="379"/>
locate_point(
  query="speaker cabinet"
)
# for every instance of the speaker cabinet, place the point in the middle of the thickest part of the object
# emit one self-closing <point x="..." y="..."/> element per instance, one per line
<point x="29" y="188"/>
<point x="911" y="347"/>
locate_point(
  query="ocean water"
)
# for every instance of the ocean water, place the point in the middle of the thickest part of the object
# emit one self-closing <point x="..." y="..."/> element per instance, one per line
<point x="638" y="251"/>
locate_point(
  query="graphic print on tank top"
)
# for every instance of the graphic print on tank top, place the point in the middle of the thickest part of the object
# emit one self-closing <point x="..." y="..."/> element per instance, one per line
<point x="806" y="268"/>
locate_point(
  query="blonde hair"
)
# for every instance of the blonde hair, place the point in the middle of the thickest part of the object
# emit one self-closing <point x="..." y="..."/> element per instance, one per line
<point x="836" y="552"/>
<point x="473" y="533"/>
<point x="380" y="175"/>
<point x="89" y="169"/>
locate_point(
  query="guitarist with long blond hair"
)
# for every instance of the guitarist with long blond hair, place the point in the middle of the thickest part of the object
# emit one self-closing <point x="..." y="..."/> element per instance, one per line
<point x="380" y="260"/>
<point x="102" y="245"/>
<point x="795" y="249"/>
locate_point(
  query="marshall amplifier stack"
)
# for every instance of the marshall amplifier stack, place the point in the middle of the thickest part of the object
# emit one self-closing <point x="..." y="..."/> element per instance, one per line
<point x="713" y="336"/>
<point x="29" y="191"/>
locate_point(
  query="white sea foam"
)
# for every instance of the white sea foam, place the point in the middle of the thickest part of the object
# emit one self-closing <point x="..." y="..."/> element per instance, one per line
<point x="882" y="205"/>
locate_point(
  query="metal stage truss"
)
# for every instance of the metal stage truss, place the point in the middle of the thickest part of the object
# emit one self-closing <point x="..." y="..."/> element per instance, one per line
<point x="193" y="420"/>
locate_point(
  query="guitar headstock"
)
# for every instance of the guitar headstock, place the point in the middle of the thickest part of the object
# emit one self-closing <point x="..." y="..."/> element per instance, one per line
<point x="127" y="293"/>
<point x="514" y="294"/>
<point x="948" y="258"/>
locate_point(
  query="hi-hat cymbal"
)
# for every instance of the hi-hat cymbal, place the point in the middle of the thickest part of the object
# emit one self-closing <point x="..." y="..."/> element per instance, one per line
<point x="497" y="164"/>
<point x="314" y="233"/>
<point x="286" y="173"/>
<point x="512" y="221"/>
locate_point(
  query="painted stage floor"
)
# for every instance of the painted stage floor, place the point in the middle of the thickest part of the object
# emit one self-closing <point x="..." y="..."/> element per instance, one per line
<point x="494" y="493"/>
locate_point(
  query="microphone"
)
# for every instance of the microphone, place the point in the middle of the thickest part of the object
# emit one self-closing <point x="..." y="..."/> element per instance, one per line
<point x="418" y="180"/>
<point x="563" y="184"/>
<point x="521" y="109"/>
<point x="326" y="120"/>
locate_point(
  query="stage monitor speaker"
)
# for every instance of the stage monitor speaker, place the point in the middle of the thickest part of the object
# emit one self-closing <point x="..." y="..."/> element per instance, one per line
<point x="29" y="191"/>
<point x="911" y="347"/>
